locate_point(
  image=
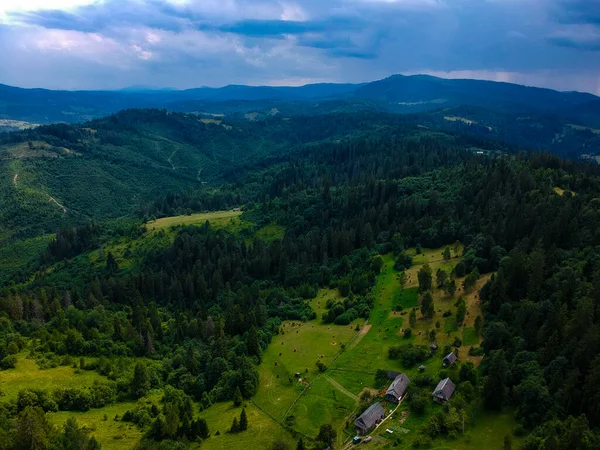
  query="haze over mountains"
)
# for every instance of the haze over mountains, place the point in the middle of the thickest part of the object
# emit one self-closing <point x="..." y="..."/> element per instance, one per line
<point x="398" y="94"/>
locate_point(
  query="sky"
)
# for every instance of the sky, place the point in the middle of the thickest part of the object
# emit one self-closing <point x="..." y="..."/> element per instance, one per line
<point x="112" y="44"/>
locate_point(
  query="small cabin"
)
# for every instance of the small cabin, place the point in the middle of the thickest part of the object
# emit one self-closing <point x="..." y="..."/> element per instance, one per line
<point x="449" y="359"/>
<point x="397" y="389"/>
<point x="443" y="391"/>
<point x="369" y="419"/>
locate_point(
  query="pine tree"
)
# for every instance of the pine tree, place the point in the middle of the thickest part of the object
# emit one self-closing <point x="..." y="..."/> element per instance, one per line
<point x="234" y="426"/>
<point x="243" y="420"/>
<point x="140" y="384"/>
<point x="237" y="397"/>
<point x="300" y="445"/>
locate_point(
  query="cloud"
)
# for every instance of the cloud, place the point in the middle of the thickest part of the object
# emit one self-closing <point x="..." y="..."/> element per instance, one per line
<point x="187" y="43"/>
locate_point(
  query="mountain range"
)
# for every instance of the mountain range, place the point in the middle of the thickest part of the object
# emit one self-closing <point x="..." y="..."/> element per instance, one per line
<point x="396" y="94"/>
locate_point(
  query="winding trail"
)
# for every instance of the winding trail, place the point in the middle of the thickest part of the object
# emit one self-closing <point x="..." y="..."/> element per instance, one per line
<point x="15" y="179"/>
<point x="52" y="199"/>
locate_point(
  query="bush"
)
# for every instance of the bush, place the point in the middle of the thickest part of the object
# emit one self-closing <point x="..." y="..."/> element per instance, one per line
<point x="36" y="397"/>
<point x="407" y="333"/>
<point x="9" y="362"/>
<point x="403" y="262"/>
<point x="409" y="354"/>
<point x="476" y="351"/>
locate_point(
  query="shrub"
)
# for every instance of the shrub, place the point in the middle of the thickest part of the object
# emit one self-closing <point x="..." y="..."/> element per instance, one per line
<point x="409" y="354"/>
<point x="9" y="362"/>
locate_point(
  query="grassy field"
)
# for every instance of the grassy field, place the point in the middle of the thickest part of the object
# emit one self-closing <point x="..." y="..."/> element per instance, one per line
<point x="111" y="434"/>
<point x="217" y="219"/>
<point x="27" y="375"/>
<point x="270" y="233"/>
<point x="262" y="430"/>
<point x="297" y="350"/>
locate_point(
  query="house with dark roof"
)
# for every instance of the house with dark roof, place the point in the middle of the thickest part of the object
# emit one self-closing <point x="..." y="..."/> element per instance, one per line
<point x="397" y="389"/>
<point x="368" y="419"/>
<point x="392" y="374"/>
<point x="433" y="348"/>
<point x="449" y="359"/>
<point x="443" y="391"/>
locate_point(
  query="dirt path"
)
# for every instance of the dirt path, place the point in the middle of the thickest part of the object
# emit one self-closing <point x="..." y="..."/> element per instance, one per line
<point x="341" y="388"/>
<point x="170" y="159"/>
<point x="51" y="199"/>
<point x="361" y="334"/>
<point x="15" y="179"/>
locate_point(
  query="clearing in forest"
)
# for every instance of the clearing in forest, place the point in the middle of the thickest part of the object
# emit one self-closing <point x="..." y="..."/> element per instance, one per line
<point x="216" y="219"/>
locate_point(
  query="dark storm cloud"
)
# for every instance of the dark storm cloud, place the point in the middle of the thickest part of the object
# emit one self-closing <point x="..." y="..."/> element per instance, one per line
<point x="215" y="42"/>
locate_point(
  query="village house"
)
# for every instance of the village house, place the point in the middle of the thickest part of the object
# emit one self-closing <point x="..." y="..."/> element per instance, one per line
<point x="443" y="391"/>
<point x="397" y="389"/>
<point x="449" y="359"/>
<point x="368" y="419"/>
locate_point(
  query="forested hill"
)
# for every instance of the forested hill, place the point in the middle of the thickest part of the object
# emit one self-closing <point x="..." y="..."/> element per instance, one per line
<point x="108" y="167"/>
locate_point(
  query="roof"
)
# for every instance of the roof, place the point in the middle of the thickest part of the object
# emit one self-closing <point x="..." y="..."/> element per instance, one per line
<point x="369" y="418"/>
<point x="450" y="357"/>
<point x="444" y="389"/>
<point x="433" y="346"/>
<point x="398" y="386"/>
<point x="391" y="374"/>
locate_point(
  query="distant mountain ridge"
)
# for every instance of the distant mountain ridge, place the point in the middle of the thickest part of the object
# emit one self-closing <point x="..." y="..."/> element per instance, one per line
<point x="398" y="93"/>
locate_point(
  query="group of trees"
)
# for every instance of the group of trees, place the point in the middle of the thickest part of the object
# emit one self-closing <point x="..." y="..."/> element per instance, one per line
<point x="31" y="430"/>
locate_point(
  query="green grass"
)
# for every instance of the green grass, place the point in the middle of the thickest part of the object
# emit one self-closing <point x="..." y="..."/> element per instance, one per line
<point x="217" y="219"/>
<point x="111" y="434"/>
<point x="262" y="430"/>
<point x="409" y="298"/>
<point x="450" y="325"/>
<point x="280" y="362"/>
<point x="323" y="403"/>
<point x="27" y="375"/>
<point x="469" y="336"/>
<point x="270" y="233"/>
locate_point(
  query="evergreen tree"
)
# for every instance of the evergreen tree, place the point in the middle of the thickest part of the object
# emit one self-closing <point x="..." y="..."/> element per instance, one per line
<point x="237" y="397"/>
<point x="300" y="445"/>
<point x="412" y="318"/>
<point x="243" y="420"/>
<point x="427" y="306"/>
<point x="494" y="384"/>
<point x="235" y="427"/>
<point x="327" y="434"/>
<point x="425" y="278"/>
<point x="32" y="430"/>
<point x="446" y="254"/>
<point x="140" y="384"/>
<point x="253" y="344"/>
<point x="112" y="265"/>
